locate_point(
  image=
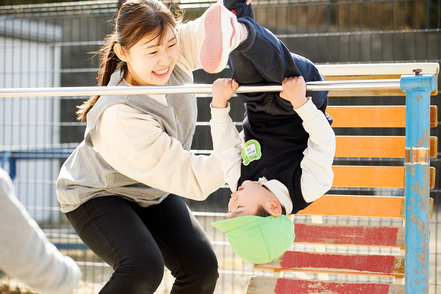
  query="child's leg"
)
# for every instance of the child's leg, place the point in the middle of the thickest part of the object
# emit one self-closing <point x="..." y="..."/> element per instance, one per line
<point x="258" y="58"/>
<point x="263" y="59"/>
<point x="240" y="8"/>
<point x="222" y="34"/>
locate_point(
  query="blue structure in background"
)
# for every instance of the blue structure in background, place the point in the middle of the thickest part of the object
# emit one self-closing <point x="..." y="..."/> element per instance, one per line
<point x="417" y="180"/>
<point x="11" y="157"/>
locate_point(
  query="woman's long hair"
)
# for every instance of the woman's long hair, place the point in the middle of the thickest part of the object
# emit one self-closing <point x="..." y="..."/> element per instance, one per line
<point x="135" y="19"/>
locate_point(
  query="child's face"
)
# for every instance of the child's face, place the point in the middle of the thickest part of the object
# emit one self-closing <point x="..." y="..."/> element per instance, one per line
<point x="248" y="198"/>
<point x="150" y="63"/>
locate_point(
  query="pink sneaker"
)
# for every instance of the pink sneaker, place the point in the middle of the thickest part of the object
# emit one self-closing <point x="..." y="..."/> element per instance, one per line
<point x="222" y="35"/>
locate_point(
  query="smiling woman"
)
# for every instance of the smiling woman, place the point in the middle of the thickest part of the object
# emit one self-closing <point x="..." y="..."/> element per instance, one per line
<point x="150" y="62"/>
<point x="144" y="45"/>
<point x="120" y="187"/>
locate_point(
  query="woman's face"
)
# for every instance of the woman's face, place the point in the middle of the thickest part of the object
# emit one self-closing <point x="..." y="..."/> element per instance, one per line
<point x="150" y="63"/>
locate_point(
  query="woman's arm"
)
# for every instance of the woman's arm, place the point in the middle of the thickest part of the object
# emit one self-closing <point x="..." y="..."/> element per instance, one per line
<point x="190" y="39"/>
<point x="134" y="144"/>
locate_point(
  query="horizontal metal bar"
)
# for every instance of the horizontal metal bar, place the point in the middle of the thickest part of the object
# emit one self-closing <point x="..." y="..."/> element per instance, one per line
<point x="377" y="69"/>
<point x="193" y="88"/>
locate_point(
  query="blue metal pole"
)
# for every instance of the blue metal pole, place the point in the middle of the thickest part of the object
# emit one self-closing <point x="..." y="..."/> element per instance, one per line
<point x="417" y="180"/>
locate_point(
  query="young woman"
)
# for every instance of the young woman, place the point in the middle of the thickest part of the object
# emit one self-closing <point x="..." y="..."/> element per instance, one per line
<point x="120" y="188"/>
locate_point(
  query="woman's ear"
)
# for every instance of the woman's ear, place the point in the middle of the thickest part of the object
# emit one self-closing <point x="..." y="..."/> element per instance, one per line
<point x="120" y="52"/>
<point x="276" y="208"/>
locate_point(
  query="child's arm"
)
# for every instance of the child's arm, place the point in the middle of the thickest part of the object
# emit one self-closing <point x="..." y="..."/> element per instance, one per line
<point x="316" y="165"/>
<point x="294" y="90"/>
<point x="223" y="90"/>
<point x="226" y="139"/>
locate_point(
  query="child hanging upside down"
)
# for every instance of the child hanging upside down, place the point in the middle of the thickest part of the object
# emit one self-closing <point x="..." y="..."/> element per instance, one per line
<point x="285" y="161"/>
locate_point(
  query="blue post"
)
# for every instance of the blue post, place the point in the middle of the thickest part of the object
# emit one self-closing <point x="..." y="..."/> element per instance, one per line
<point x="417" y="181"/>
<point x="7" y="156"/>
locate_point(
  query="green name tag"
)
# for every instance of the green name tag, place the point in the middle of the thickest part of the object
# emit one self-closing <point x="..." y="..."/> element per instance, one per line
<point x="251" y="151"/>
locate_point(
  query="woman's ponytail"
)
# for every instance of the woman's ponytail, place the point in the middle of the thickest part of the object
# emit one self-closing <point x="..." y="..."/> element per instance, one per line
<point x="135" y="19"/>
<point x="109" y="61"/>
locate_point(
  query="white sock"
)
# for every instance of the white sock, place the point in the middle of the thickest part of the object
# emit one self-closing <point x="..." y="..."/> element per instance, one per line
<point x="243" y="32"/>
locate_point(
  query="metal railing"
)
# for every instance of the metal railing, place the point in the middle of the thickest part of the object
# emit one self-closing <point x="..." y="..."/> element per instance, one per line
<point x="193" y="88"/>
<point x="337" y="32"/>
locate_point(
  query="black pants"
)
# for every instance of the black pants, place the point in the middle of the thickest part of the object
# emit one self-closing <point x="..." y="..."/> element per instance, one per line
<point x="137" y="242"/>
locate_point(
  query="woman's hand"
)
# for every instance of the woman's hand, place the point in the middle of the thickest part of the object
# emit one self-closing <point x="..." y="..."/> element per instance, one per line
<point x="222" y="90"/>
<point x="294" y="90"/>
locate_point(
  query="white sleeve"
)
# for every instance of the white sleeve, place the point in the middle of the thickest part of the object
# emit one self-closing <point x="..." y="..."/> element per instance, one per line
<point x="134" y="144"/>
<point x="26" y="253"/>
<point x="226" y="144"/>
<point x="317" y="174"/>
<point x="190" y="37"/>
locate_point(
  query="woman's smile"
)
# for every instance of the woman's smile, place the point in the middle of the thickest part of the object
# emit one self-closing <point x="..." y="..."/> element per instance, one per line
<point x="162" y="72"/>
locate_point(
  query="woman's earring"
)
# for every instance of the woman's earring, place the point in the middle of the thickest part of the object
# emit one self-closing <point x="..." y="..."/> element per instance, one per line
<point x="120" y="64"/>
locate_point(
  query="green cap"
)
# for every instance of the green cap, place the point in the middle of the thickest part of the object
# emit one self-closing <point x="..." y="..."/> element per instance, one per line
<point x="258" y="239"/>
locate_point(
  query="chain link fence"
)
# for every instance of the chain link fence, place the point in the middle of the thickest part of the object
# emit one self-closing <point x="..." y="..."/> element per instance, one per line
<point x="53" y="45"/>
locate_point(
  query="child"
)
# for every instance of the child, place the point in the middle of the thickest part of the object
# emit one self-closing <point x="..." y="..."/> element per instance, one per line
<point x="285" y="163"/>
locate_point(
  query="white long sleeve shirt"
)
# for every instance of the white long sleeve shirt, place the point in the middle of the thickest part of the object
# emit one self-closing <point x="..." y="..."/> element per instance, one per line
<point x="134" y="144"/>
